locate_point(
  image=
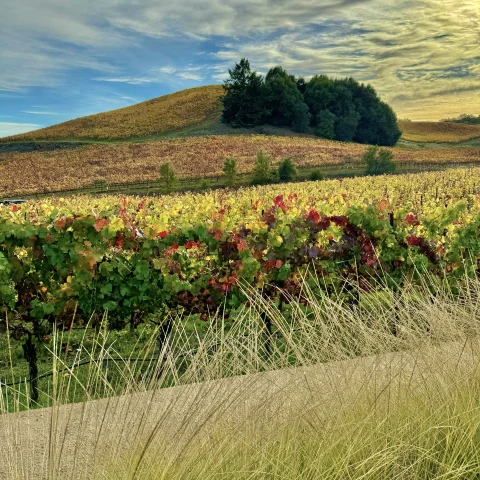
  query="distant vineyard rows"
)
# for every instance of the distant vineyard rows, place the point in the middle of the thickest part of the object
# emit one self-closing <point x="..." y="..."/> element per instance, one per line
<point x="194" y="157"/>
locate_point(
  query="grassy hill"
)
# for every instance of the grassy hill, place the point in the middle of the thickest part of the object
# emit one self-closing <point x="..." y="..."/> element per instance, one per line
<point x="447" y="132"/>
<point x="197" y="111"/>
<point x="172" y="112"/>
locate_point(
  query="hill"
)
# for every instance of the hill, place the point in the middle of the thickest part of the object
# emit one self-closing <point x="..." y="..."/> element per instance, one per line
<point x="163" y="114"/>
<point x="448" y="132"/>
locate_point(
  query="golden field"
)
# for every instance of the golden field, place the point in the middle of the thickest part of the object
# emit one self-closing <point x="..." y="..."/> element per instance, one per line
<point x="159" y="115"/>
<point x="448" y="132"/>
<point x="192" y="157"/>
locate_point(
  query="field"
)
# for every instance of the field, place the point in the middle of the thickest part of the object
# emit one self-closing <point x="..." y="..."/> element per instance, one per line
<point x="159" y="115"/>
<point x="193" y="157"/>
<point x="438" y="132"/>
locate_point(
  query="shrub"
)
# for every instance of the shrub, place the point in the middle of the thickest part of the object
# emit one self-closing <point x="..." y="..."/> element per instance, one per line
<point x="168" y="177"/>
<point x="287" y="172"/>
<point x="230" y="171"/>
<point x="262" y="171"/>
<point x="316" y="175"/>
<point x="379" y="161"/>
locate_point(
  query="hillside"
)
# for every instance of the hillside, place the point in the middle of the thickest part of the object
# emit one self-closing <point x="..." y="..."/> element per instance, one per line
<point x="191" y="158"/>
<point x="438" y="131"/>
<point x="197" y="111"/>
<point x="163" y="114"/>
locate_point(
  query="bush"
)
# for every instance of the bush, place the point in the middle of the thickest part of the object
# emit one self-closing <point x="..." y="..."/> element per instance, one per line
<point x="230" y="171"/>
<point x="167" y="177"/>
<point x="379" y="161"/>
<point x="287" y="172"/>
<point x="262" y="171"/>
<point x="316" y="175"/>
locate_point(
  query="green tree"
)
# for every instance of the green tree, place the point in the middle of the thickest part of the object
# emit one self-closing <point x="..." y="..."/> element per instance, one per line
<point x="284" y="100"/>
<point x="244" y="100"/>
<point x="167" y="177"/>
<point x="262" y="171"/>
<point x="287" y="172"/>
<point x="230" y="171"/>
<point x="379" y="161"/>
<point x="325" y="124"/>
<point x="301" y="118"/>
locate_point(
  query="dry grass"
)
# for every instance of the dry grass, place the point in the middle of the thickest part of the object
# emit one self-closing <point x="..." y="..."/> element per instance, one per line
<point x="448" y="132"/>
<point x="193" y="157"/>
<point x="413" y="414"/>
<point x="159" y="115"/>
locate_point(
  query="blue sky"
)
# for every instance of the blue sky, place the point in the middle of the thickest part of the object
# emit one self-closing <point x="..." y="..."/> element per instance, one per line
<point x="61" y="59"/>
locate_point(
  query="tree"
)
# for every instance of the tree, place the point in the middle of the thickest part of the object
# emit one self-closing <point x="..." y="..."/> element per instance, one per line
<point x="379" y="160"/>
<point x="287" y="172"/>
<point x="346" y="126"/>
<point x="283" y="98"/>
<point x="167" y="177"/>
<point x="244" y="100"/>
<point x="262" y="171"/>
<point x="230" y="171"/>
<point x="325" y="124"/>
<point x="301" y="118"/>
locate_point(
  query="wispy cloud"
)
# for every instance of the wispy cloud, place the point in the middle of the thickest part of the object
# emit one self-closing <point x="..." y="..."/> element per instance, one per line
<point x="33" y="112"/>
<point x="8" y="128"/>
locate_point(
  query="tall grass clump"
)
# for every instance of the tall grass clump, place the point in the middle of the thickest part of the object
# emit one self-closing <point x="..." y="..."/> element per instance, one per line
<point x="330" y="390"/>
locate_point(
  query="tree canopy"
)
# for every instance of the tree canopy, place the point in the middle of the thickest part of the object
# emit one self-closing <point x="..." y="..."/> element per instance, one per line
<point x="339" y="109"/>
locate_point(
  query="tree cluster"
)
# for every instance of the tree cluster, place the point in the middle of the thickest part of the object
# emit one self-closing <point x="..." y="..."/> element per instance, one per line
<point x="336" y="109"/>
<point x="464" y="118"/>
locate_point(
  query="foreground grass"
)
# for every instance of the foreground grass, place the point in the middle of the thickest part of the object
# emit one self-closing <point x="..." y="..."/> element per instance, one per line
<point x="360" y="402"/>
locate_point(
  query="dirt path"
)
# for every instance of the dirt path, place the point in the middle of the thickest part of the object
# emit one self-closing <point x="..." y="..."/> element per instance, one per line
<point x="71" y="441"/>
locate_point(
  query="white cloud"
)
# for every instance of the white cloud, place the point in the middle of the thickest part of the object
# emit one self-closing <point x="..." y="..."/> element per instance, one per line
<point x="33" y="112"/>
<point x="7" y="128"/>
<point x="129" y="80"/>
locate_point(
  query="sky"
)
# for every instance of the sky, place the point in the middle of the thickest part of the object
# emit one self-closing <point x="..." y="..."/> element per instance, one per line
<point x="62" y="59"/>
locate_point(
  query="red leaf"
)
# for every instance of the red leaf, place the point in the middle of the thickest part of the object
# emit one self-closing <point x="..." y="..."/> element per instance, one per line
<point x="314" y="216"/>
<point x="278" y="264"/>
<point x="100" y="223"/>
<point x="414" y="241"/>
<point x="242" y="245"/>
<point x="60" y="223"/>
<point x="162" y="234"/>
<point x="14" y="208"/>
<point x="412" y="220"/>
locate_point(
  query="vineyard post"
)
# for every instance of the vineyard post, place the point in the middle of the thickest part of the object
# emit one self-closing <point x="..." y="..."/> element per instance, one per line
<point x="30" y="354"/>
<point x="162" y="338"/>
<point x="396" y="319"/>
<point x="268" y="327"/>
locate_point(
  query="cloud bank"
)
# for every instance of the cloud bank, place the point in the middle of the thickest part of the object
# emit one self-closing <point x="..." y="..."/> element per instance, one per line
<point x="422" y="56"/>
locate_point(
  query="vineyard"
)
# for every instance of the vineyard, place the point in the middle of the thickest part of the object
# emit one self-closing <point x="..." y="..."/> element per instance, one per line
<point x="159" y="115"/>
<point x="448" y="132"/>
<point x="62" y="260"/>
<point x="194" y="157"/>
